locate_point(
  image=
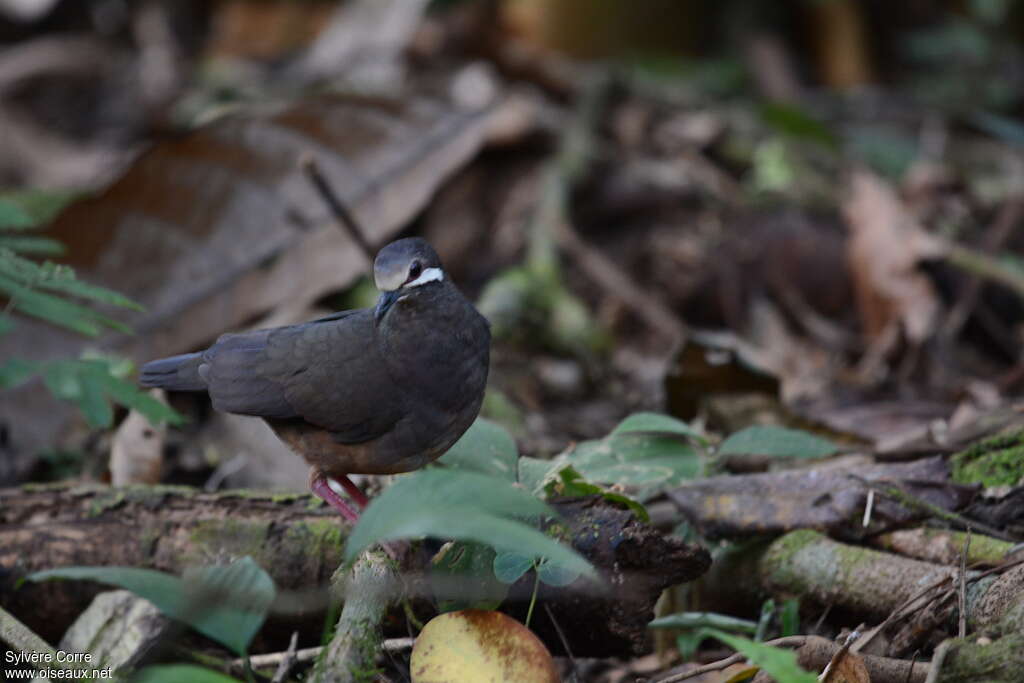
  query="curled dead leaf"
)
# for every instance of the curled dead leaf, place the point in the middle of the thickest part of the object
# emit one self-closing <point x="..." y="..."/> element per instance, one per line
<point x="136" y="456"/>
<point x="885" y="247"/>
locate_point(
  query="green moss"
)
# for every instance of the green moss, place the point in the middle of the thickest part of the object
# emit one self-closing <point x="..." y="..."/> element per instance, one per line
<point x="995" y="461"/>
<point x="785" y="547"/>
<point x="103" y="502"/>
<point x="108" y="498"/>
<point x="317" y="538"/>
<point x="777" y="565"/>
<point x="229" y="536"/>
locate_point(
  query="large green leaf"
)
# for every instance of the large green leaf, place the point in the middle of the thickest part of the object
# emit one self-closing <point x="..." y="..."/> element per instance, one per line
<point x="227" y="604"/>
<point x="179" y="673"/>
<point x="778" y="663"/>
<point x="461" y="577"/>
<point x="777" y="441"/>
<point x="486" y="447"/>
<point x="536" y="473"/>
<point x="466" y="506"/>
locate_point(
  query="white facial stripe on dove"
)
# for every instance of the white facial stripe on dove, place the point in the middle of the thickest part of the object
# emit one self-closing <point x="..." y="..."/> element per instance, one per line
<point x="428" y="275"/>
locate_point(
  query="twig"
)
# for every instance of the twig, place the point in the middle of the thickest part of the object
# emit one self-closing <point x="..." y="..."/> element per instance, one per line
<point x="565" y="642"/>
<point x="909" y="501"/>
<point x="984" y="266"/>
<point x="308" y="654"/>
<point x="910" y="669"/>
<point x="937" y="658"/>
<point x="900" y="612"/>
<point x="604" y="273"/>
<point x="335" y="204"/>
<point x="962" y="592"/>
<point x="788" y="641"/>
<point x="552" y="221"/>
<point x="22" y="639"/>
<point x="287" y="661"/>
<point x="830" y="668"/>
<point x="1007" y="219"/>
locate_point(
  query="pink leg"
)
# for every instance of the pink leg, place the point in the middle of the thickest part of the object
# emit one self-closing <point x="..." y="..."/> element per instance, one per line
<point x="318" y="485"/>
<point x="351" y="489"/>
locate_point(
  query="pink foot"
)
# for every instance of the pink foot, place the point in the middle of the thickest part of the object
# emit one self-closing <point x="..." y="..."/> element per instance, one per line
<point x="351" y="489"/>
<point x="318" y="485"/>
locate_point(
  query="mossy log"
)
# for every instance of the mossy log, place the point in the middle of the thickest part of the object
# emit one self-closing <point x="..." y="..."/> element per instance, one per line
<point x="300" y="543"/>
<point x="973" y="660"/>
<point x="944" y="546"/>
<point x="866" y="583"/>
<point x="295" y="538"/>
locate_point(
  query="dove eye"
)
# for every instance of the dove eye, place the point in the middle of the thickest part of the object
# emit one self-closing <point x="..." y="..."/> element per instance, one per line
<point x="414" y="270"/>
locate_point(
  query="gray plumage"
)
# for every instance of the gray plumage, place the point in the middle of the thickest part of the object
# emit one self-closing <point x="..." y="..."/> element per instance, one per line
<point x="367" y="391"/>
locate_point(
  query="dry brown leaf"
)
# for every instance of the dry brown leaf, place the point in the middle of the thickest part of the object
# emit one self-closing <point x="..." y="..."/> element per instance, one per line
<point x="214" y="228"/>
<point x="850" y="669"/>
<point x="884" y="249"/>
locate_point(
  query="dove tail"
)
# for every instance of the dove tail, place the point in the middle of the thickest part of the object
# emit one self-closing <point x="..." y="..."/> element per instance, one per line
<point x="176" y="373"/>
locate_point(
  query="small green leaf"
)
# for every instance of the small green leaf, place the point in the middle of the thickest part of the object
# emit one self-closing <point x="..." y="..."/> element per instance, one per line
<point x="688" y="643"/>
<point x="778" y="663"/>
<point x="467" y="506"/>
<point x="764" y="621"/>
<point x="1006" y="129"/>
<point x="176" y="673"/>
<point x="93" y="403"/>
<point x="227" y="604"/>
<point x="656" y="423"/>
<point x="51" y="309"/>
<point x="39" y="206"/>
<point x="13" y="217"/>
<point x="509" y="566"/>
<point x="535" y="473"/>
<point x="554" y="574"/>
<point x="692" y="620"/>
<point x="776" y="441"/>
<point x="486" y="447"/>
<point x="15" y="371"/>
<point x="61" y="378"/>
<point x="58" y="278"/>
<point x="798" y="123"/>
<point x="645" y="463"/>
<point x="571" y="483"/>
<point x="126" y="394"/>
<point x="36" y="246"/>
<point x="790" y="617"/>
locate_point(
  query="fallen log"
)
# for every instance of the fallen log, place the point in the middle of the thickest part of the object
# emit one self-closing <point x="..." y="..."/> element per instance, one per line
<point x="300" y="543"/>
